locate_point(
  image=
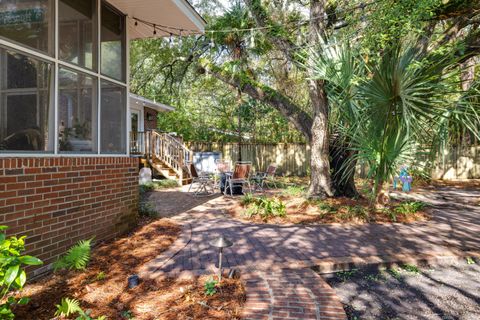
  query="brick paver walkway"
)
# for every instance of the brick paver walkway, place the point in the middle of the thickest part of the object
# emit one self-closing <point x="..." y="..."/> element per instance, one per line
<point x="290" y="294"/>
<point x="455" y="227"/>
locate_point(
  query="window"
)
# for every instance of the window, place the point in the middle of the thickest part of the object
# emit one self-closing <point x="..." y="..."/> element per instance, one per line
<point x="29" y="23"/>
<point x="77" y="32"/>
<point x="113" y="118"/>
<point x="70" y="101"/>
<point x="25" y="103"/>
<point x="77" y="112"/>
<point x="113" y="41"/>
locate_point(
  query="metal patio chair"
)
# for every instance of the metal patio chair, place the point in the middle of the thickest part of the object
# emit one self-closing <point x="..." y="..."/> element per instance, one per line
<point x="261" y="179"/>
<point x="240" y="176"/>
<point x="204" y="182"/>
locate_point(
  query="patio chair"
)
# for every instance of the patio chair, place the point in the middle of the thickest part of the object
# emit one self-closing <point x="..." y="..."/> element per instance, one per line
<point x="262" y="178"/>
<point x="240" y="176"/>
<point x="204" y="182"/>
<point x="221" y="167"/>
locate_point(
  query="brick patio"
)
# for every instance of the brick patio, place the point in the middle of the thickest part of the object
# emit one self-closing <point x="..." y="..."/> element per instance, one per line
<point x="270" y="249"/>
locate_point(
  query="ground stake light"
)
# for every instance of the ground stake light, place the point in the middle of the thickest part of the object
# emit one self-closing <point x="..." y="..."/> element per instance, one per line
<point x="220" y="243"/>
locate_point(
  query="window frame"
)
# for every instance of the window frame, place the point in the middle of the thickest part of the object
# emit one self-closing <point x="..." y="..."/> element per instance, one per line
<point x="57" y="63"/>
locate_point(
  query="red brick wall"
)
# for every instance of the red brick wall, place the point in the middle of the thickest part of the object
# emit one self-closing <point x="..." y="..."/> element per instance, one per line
<point x="150" y="124"/>
<point x="57" y="201"/>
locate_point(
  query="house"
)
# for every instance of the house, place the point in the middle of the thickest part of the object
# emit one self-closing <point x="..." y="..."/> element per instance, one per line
<point x="66" y="172"/>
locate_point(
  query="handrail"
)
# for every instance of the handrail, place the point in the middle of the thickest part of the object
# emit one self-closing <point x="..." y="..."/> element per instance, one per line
<point x="160" y="145"/>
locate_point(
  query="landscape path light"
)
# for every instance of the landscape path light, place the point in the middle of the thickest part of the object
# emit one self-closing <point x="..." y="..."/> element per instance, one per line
<point x="220" y="243"/>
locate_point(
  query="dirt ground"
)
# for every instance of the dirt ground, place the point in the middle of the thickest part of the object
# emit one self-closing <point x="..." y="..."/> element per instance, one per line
<point x="102" y="288"/>
<point x="446" y="292"/>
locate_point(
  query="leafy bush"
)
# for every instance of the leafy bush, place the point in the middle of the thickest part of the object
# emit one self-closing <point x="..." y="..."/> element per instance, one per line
<point x="77" y="257"/>
<point x="266" y="208"/>
<point x="210" y="287"/>
<point x="69" y="307"/>
<point x="409" y="207"/>
<point x="12" y="274"/>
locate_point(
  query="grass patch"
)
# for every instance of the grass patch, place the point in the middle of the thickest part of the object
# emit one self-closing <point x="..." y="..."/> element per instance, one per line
<point x="411" y="268"/>
<point x="409" y="207"/>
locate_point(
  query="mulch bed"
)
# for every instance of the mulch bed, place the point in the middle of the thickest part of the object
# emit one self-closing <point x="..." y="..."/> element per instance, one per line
<point x="102" y="288"/>
<point x="335" y="210"/>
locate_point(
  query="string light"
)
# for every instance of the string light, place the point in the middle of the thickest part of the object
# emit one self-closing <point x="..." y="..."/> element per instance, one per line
<point x="178" y="31"/>
<point x="154" y="30"/>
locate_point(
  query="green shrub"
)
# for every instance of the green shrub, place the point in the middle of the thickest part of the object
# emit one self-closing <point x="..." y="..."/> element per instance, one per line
<point x="69" y="307"/>
<point x="210" y="287"/>
<point x="12" y="273"/>
<point x="77" y="257"/>
<point x="409" y="207"/>
<point x="266" y="208"/>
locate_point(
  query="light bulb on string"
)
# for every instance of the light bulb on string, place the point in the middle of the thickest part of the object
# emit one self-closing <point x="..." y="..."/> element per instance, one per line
<point x="136" y="23"/>
<point x="170" y="41"/>
<point x="252" y="40"/>
<point x="154" y="30"/>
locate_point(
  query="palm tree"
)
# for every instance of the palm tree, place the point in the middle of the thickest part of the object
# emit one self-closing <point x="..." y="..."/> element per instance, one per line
<point x="393" y="110"/>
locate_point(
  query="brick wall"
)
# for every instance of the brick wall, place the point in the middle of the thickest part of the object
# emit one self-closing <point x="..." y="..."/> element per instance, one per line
<point x="57" y="201"/>
<point x="150" y="124"/>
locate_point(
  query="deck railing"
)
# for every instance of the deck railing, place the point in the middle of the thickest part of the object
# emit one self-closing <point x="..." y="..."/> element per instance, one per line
<point x="162" y="146"/>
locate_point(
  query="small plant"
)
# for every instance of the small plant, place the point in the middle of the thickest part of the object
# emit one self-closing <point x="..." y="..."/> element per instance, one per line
<point x="76" y="258"/>
<point x="294" y="191"/>
<point x="373" y="277"/>
<point x="346" y="274"/>
<point x="358" y="212"/>
<point x="395" y="272"/>
<point x="266" y="208"/>
<point x="409" y="207"/>
<point x="69" y="307"/>
<point x="411" y="268"/>
<point x="327" y="208"/>
<point x="12" y="273"/>
<point x="470" y="260"/>
<point x="100" y="276"/>
<point x="210" y="287"/>
<point x="392" y="214"/>
<point x="247" y="199"/>
<point x="146" y="209"/>
<point x="127" y="314"/>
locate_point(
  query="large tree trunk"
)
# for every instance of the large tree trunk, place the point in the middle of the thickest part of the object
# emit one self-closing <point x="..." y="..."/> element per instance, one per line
<point x="343" y="169"/>
<point x="320" y="181"/>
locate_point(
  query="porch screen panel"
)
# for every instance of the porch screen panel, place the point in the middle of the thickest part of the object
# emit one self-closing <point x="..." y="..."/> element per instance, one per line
<point x="77" y="32"/>
<point x="113" y="118"/>
<point x="77" y="111"/>
<point x="26" y="115"/>
<point x="113" y="43"/>
<point x="29" y="23"/>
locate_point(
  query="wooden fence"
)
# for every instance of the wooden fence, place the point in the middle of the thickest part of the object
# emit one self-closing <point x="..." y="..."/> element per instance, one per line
<point x="294" y="159"/>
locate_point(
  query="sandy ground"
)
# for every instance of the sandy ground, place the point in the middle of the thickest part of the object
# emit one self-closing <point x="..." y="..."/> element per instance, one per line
<point x="446" y="292"/>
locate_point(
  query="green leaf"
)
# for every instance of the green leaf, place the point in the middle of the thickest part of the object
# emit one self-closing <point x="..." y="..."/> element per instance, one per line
<point x="23" y="301"/>
<point x="3" y="228"/>
<point x="21" y="279"/>
<point x="11" y="274"/>
<point x="31" y="261"/>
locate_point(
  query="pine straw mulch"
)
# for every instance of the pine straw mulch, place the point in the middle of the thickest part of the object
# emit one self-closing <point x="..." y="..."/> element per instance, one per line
<point x="102" y="288"/>
<point x="335" y="210"/>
